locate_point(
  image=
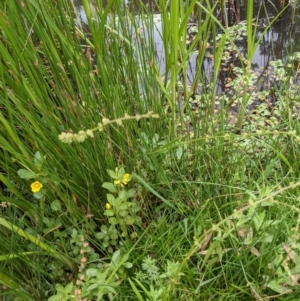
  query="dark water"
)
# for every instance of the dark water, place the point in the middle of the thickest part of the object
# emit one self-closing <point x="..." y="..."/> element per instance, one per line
<point x="281" y="40"/>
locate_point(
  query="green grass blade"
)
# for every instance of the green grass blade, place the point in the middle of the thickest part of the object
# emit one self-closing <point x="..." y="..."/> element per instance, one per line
<point x="142" y="181"/>
<point x="16" y="288"/>
<point x="38" y="242"/>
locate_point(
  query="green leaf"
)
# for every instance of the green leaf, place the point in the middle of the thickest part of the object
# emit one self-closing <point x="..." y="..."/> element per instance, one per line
<point x="128" y="265"/>
<point x="109" y="212"/>
<point x="43" y="173"/>
<point x="123" y="213"/>
<point x="136" y="291"/>
<point x="57" y="297"/>
<point x="114" y="236"/>
<point x="26" y="174"/>
<point x="113" y="221"/>
<point x="179" y="152"/>
<point x="91" y="272"/>
<point x="112" y="174"/>
<point x="135" y="207"/>
<point x="38" y="160"/>
<point x="115" y="256"/>
<point x="122" y="195"/>
<point x="100" y="235"/>
<point x="267" y="238"/>
<point x="123" y="206"/>
<point x="111" y="199"/>
<point x="248" y="241"/>
<point x="60" y="288"/>
<point x="104" y="228"/>
<point x="69" y="288"/>
<point x="110" y="187"/>
<point x="40" y="194"/>
<point x="267" y="203"/>
<point x="130" y="193"/>
<point x="121" y="173"/>
<point x="279" y="286"/>
<point x="129" y="220"/>
<point x="38" y="156"/>
<point x="259" y="220"/>
<point x="133" y="235"/>
<point x="56" y="205"/>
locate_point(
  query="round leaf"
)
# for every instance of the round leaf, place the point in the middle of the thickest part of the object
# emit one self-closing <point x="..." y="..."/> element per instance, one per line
<point x="56" y="205"/>
<point x="109" y="212"/>
<point x="112" y="221"/>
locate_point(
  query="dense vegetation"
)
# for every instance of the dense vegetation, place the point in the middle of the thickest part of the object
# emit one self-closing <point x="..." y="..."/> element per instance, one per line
<point x="126" y="180"/>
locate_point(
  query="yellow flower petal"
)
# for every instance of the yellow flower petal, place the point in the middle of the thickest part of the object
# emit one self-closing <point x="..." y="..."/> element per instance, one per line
<point x="117" y="182"/>
<point x="125" y="179"/>
<point x="36" y="186"/>
<point x="108" y="206"/>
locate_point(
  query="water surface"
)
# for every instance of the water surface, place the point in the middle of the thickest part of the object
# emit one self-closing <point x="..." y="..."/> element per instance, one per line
<point x="277" y="43"/>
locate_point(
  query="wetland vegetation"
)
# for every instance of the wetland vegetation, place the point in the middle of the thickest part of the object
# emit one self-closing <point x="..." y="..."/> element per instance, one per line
<point x="149" y="150"/>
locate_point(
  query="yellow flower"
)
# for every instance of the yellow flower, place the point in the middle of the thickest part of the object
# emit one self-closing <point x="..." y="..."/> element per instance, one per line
<point x="36" y="186"/>
<point x="108" y="206"/>
<point x="125" y="179"/>
<point x="117" y="182"/>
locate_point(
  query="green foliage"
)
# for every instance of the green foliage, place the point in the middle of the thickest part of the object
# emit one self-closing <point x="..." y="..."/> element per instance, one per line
<point x="157" y="279"/>
<point x="94" y="282"/>
<point x="209" y="209"/>
<point x="121" y="213"/>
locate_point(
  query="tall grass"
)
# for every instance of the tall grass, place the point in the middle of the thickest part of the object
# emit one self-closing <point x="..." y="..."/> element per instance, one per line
<point x="218" y="216"/>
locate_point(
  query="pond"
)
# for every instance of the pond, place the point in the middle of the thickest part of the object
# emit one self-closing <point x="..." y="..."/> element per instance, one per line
<point x="278" y="43"/>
